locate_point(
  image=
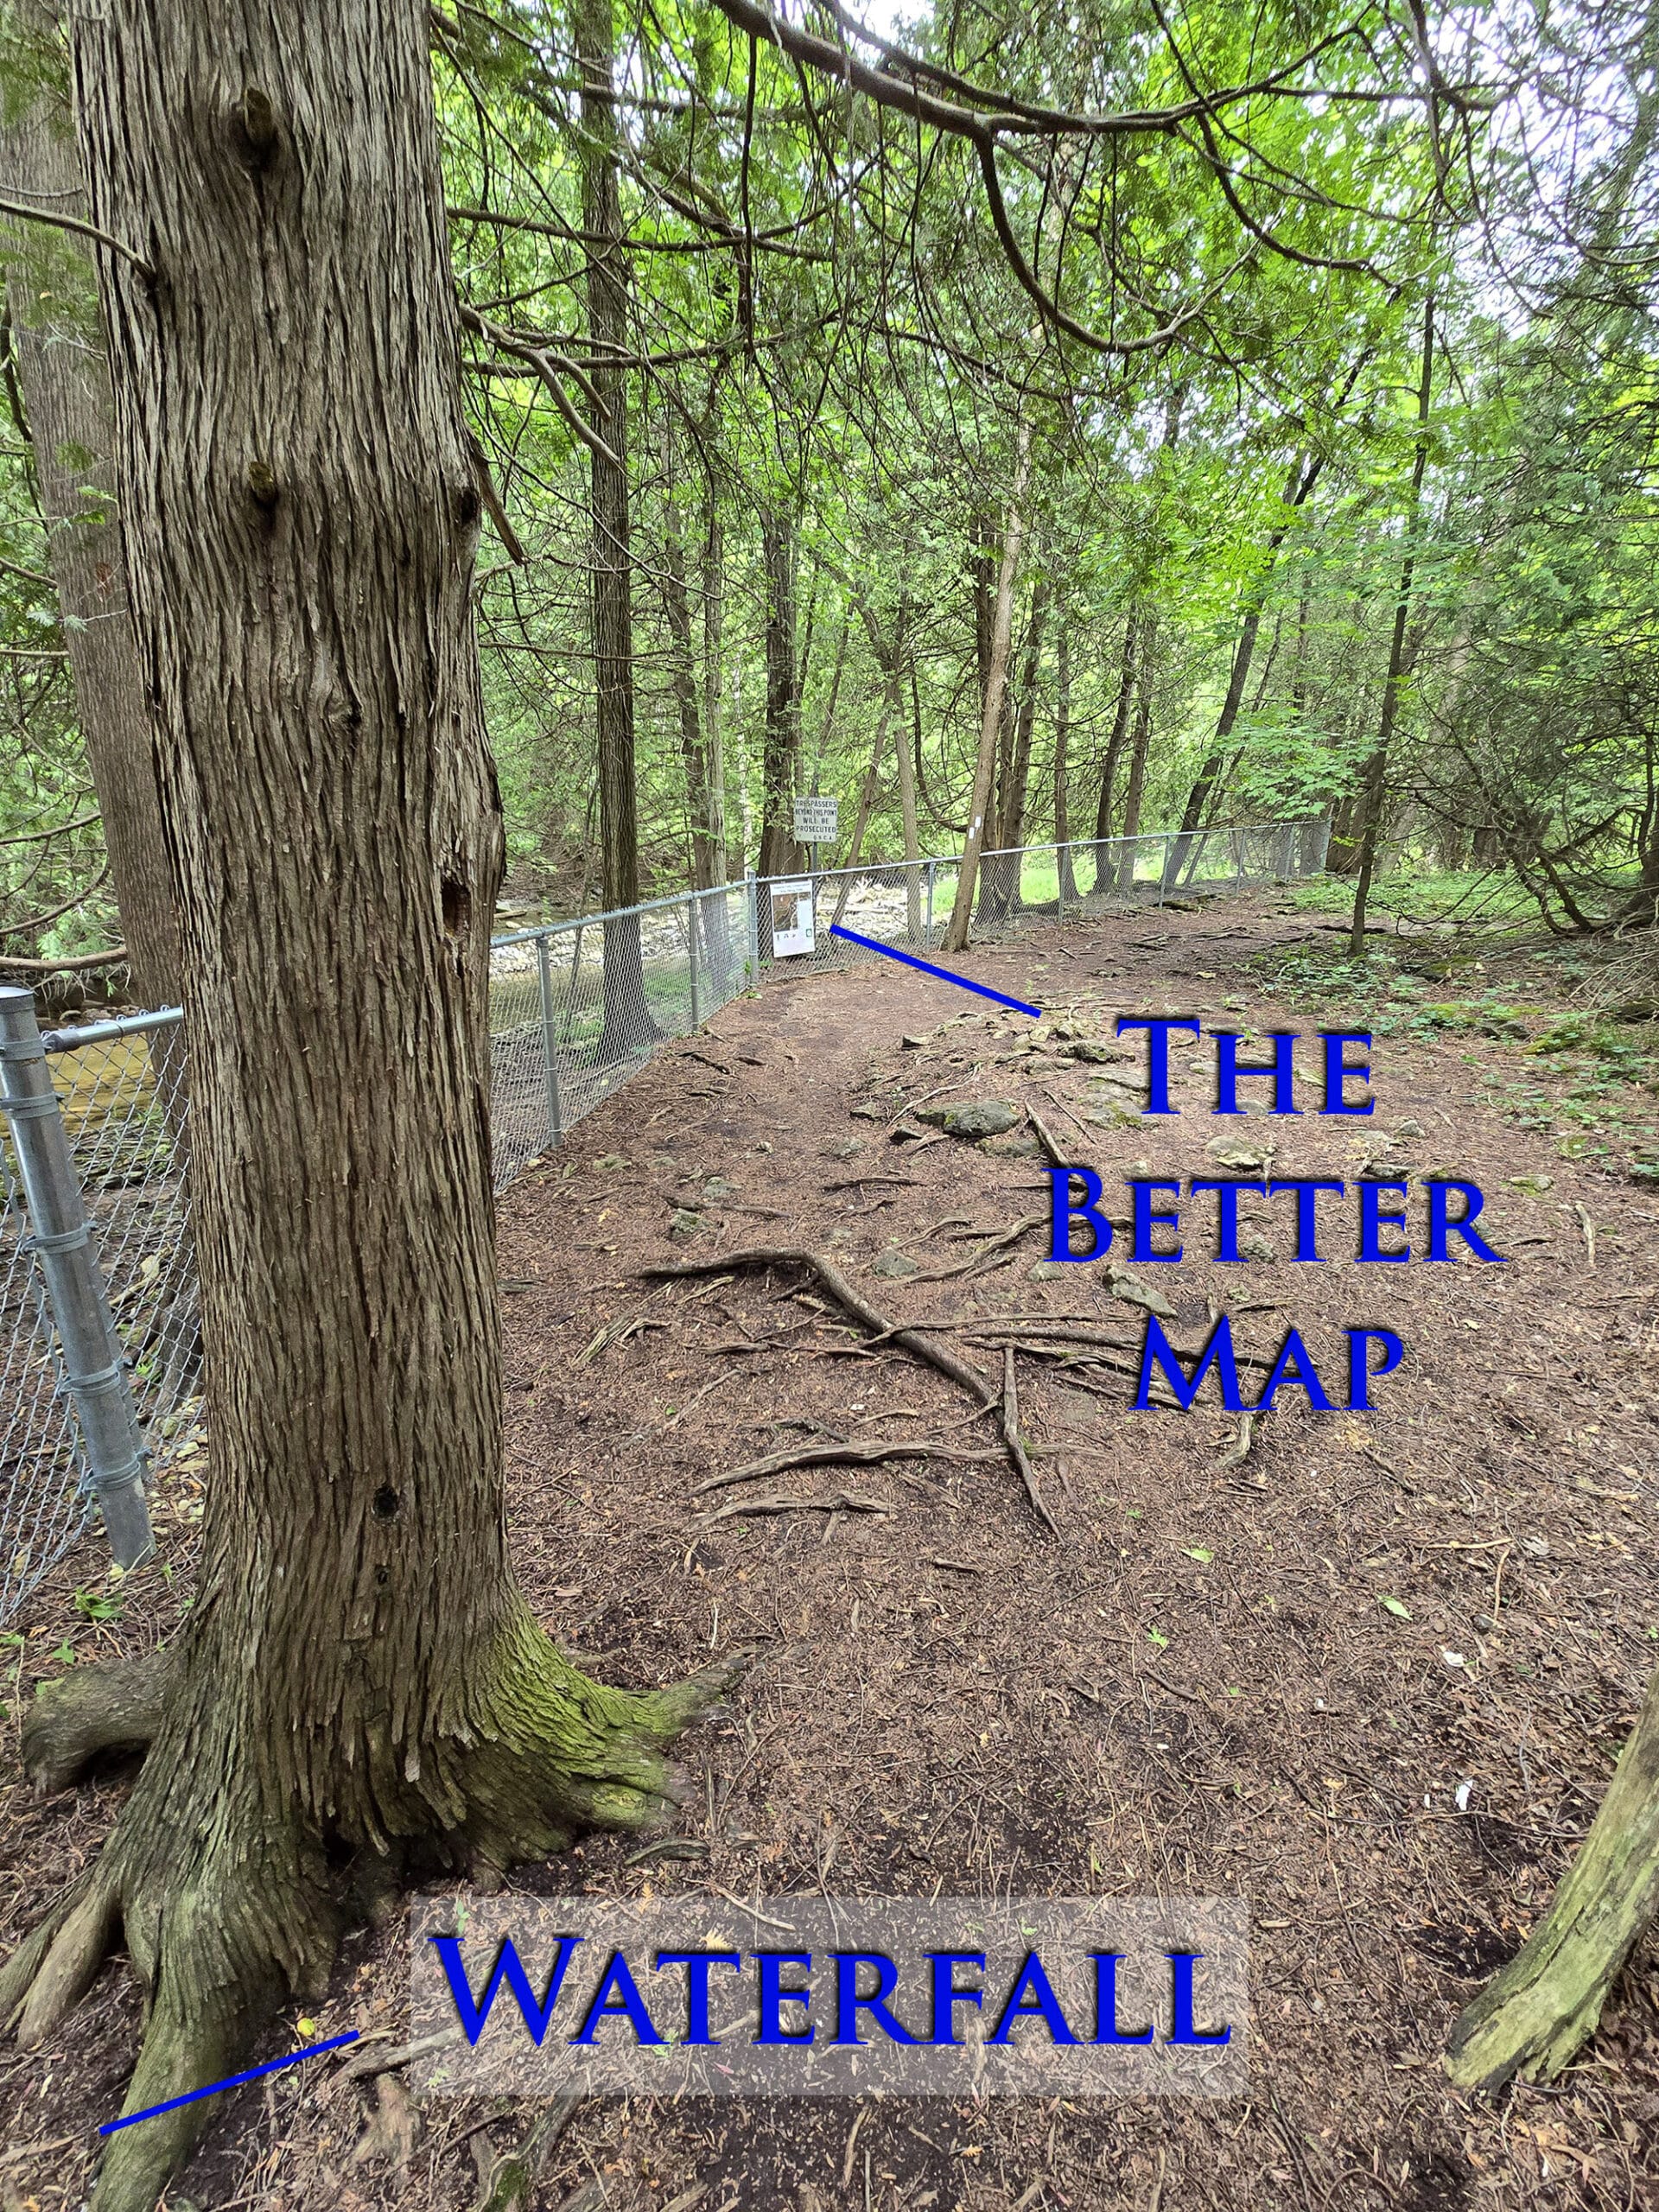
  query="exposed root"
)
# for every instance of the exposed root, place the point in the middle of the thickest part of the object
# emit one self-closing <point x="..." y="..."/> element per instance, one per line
<point x="844" y="1501"/>
<point x="223" y="1894"/>
<point x="92" y="1713"/>
<point x="1023" y="1467"/>
<point x="829" y="1278"/>
<point x="838" y="1455"/>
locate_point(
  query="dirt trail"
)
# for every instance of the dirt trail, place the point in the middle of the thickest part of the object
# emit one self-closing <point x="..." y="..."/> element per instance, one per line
<point x="1196" y="1685"/>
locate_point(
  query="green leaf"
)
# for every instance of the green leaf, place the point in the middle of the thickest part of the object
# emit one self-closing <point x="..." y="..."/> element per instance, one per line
<point x="1401" y="1613"/>
<point x="1158" y="1638"/>
<point x="1198" y="1552"/>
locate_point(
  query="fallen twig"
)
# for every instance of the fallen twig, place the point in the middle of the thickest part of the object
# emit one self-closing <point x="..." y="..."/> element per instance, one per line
<point x="1243" y="1441"/>
<point x="831" y="1455"/>
<point x="844" y="1501"/>
<point x="618" y="1332"/>
<point x="977" y="1259"/>
<point x="1056" y="1158"/>
<point x="367" y="2063"/>
<point x="1589" y="1229"/>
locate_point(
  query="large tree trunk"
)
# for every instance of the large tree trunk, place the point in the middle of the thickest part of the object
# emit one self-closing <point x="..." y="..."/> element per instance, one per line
<point x="57" y="344"/>
<point x="359" y="1673"/>
<point x="628" y="1026"/>
<point x="955" y="936"/>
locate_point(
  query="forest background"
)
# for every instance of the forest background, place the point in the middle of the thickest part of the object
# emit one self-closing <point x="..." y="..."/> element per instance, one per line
<point x="1308" y="437"/>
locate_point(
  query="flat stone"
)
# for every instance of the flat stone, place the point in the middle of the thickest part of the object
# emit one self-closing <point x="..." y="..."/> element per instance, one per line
<point x="898" y="1264"/>
<point x="1232" y="1152"/>
<point x="1133" y="1292"/>
<point x="685" y="1225"/>
<point x="988" y="1117"/>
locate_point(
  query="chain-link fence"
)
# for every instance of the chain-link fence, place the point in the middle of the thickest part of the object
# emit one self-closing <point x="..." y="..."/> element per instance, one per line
<point x="575" y="1008"/>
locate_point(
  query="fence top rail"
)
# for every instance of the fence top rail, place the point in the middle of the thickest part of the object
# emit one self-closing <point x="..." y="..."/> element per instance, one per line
<point x="108" y="1032"/>
<point x="135" y="1024"/>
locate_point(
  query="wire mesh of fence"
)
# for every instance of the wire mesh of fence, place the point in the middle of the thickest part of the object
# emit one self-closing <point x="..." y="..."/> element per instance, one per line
<point x="576" y="1009"/>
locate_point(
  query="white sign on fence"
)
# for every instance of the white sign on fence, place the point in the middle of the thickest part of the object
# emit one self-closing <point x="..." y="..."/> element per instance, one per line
<point x="817" y="820"/>
<point x="793" y="925"/>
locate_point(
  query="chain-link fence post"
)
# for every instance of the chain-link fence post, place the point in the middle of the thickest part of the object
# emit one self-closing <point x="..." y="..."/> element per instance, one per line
<point x="693" y="909"/>
<point x="932" y="870"/>
<point x="61" y="1237"/>
<point x="549" y="1039"/>
<point x="753" y="903"/>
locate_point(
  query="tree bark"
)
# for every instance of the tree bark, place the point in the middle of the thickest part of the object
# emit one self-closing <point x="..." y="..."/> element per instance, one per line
<point x="779" y="853"/>
<point x="955" y="936"/>
<point x="628" y="1026"/>
<point x="58" y="346"/>
<point x="1374" y="784"/>
<point x="1011" y="814"/>
<point x="1105" y="866"/>
<point x="893" y="660"/>
<point x="1534" y="2016"/>
<point x="1062" y="750"/>
<point x="359" y="1673"/>
<point x="1140" y="745"/>
<point x="913" y="923"/>
<point x="708" y="939"/>
<point x="713" y="721"/>
<point x="699" y="804"/>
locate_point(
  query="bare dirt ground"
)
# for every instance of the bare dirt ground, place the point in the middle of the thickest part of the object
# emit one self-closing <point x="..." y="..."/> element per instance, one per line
<point x="1195" y="1685"/>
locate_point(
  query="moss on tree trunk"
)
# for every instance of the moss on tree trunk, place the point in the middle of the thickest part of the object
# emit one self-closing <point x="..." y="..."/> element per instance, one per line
<point x="1532" y="2018"/>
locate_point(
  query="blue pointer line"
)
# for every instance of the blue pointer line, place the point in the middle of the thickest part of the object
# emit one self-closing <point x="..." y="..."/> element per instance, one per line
<point x="231" y="2081"/>
<point x="928" y="969"/>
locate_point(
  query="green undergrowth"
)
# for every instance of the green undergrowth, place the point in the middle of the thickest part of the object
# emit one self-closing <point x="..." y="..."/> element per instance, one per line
<point x="1585" y="1076"/>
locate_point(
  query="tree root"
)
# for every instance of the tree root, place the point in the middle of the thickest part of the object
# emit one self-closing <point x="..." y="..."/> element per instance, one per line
<point x="1532" y="2017"/>
<point x="220" y="1882"/>
<point x="92" y="1713"/>
<point x="837" y="1455"/>
<point x="1017" y="1452"/>
<point x="829" y="1278"/>
<point x="913" y="1340"/>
